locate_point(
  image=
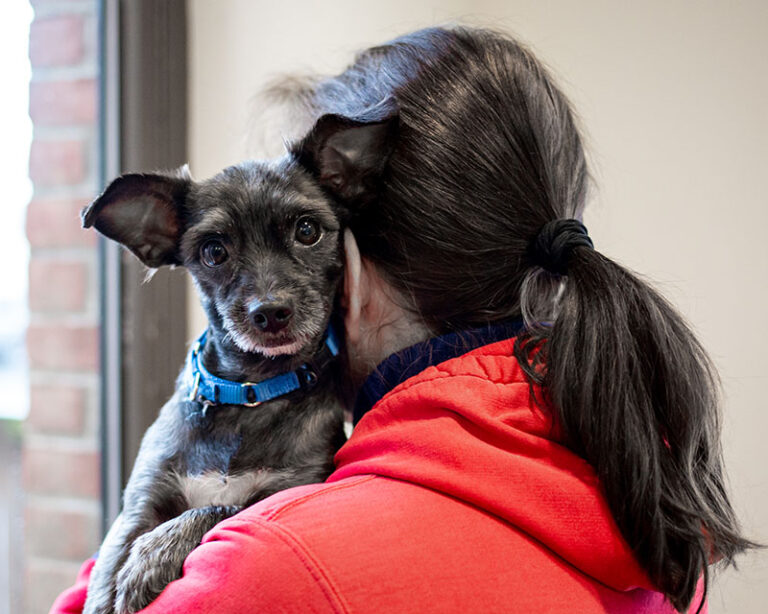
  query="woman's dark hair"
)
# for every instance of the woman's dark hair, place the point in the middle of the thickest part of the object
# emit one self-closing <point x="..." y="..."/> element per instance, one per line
<point x="487" y="154"/>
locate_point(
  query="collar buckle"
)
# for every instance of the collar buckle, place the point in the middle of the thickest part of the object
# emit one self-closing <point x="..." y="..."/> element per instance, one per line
<point x="308" y="378"/>
<point x="250" y="395"/>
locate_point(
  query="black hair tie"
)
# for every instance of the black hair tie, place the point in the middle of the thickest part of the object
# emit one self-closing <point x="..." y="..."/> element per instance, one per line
<point x="552" y="247"/>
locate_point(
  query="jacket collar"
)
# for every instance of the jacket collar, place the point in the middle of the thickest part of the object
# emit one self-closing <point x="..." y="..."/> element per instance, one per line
<point x="406" y="363"/>
<point x="476" y="429"/>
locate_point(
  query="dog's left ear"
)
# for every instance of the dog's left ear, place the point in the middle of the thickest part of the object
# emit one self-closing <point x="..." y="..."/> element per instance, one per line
<point x="144" y="213"/>
<point x="348" y="155"/>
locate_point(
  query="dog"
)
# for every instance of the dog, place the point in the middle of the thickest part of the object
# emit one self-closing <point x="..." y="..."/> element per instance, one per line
<point x="256" y="408"/>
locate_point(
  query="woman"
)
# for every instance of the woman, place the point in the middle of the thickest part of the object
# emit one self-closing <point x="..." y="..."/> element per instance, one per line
<point x="537" y="429"/>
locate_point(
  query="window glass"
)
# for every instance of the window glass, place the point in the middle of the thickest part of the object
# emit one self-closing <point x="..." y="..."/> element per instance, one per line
<point x="16" y="128"/>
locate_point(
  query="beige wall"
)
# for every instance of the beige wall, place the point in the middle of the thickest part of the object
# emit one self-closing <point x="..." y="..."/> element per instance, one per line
<point x="672" y="96"/>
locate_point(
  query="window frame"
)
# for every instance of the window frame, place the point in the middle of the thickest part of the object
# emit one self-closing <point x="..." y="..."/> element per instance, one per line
<point x="143" y="127"/>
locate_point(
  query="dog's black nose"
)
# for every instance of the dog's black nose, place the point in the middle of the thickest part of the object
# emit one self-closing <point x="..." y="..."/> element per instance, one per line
<point x="270" y="317"/>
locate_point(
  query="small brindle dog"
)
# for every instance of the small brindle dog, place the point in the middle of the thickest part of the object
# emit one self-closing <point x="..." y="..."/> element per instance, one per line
<point x="256" y="409"/>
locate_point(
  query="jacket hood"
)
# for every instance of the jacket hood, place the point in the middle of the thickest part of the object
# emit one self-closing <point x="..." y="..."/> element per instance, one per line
<point x="469" y="428"/>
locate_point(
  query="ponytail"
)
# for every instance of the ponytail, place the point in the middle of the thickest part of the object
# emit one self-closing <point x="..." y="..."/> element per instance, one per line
<point x="637" y="396"/>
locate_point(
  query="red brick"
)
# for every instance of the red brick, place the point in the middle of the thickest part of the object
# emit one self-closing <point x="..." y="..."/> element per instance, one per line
<point x="63" y="102"/>
<point x="56" y="410"/>
<point x="56" y="41"/>
<point x="60" y="534"/>
<point x="68" y="348"/>
<point x="57" y="162"/>
<point x="56" y="223"/>
<point x="44" y="581"/>
<point x="70" y="473"/>
<point x="57" y="286"/>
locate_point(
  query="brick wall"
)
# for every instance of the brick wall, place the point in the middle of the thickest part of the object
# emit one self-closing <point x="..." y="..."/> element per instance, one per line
<point x="60" y="447"/>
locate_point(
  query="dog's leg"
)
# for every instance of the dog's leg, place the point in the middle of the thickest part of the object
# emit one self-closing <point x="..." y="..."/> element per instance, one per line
<point x="157" y="557"/>
<point x="112" y="554"/>
<point x="150" y="497"/>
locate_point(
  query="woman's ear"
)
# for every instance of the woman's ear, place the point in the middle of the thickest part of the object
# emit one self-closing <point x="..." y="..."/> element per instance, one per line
<point x="352" y="300"/>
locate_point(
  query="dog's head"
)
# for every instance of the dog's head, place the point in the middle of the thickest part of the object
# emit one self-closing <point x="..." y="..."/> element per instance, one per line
<point x="262" y="240"/>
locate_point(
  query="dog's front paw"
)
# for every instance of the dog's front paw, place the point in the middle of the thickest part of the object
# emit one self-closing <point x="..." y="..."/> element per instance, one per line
<point x="156" y="560"/>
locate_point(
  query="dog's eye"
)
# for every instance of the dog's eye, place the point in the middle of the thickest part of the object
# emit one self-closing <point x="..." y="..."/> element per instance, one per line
<point x="307" y="231"/>
<point x="213" y="253"/>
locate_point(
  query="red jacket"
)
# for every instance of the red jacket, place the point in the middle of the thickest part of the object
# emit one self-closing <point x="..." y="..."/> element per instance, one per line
<point x="452" y="495"/>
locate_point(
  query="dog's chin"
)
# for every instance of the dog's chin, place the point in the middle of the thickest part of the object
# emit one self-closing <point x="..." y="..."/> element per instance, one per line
<point x="281" y="350"/>
<point x="247" y="344"/>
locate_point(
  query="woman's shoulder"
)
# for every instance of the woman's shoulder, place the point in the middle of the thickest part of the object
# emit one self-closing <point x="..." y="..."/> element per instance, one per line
<point x="370" y="543"/>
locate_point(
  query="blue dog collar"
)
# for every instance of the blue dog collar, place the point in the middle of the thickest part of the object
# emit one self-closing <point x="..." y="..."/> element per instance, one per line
<point x="207" y="388"/>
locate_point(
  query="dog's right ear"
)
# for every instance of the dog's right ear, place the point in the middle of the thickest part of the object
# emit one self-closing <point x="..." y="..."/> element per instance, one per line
<point x="143" y="212"/>
<point x="348" y="155"/>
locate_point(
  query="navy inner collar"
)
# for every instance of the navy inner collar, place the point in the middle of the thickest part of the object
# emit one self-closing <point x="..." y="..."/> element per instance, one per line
<point x="406" y="363"/>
